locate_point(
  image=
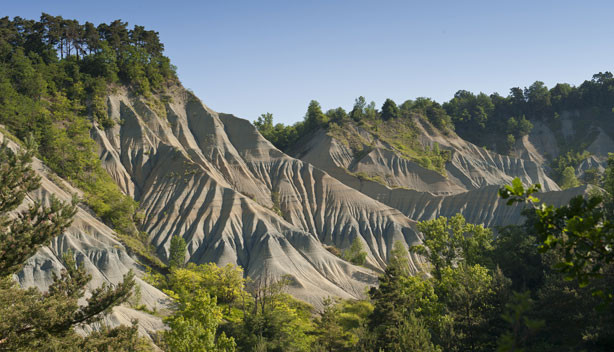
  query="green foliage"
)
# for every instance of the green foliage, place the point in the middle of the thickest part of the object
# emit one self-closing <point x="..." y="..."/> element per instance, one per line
<point x="32" y="320"/>
<point x="448" y="241"/>
<point x="331" y="334"/>
<point x="608" y="176"/>
<point x="516" y="192"/>
<point x="58" y="100"/>
<point x="592" y="176"/>
<point x="337" y="115"/>
<point x="281" y="136"/>
<point x="414" y="336"/>
<point x="582" y="231"/>
<point x="521" y="326"/>
<point x="568" y="178"/>
<point x="434" y="113"/>
<point x="194" y="326"/>
<point x="470" y="110"/>
<point x="226" y="283"/>
<point x="355" y="254"/>
<point x="315" y="117"/>
<point x="390" y="110"/>
<point x="564" y="168"/>
<point x="205" y="296"/>
<point x="21" y="237"/>
<point x="399" y="134"/>
<point x="176" y="257"/>
<point x="510" y="141"/>
<point x="516" y="254"/>
<point x="270" y="319"/>
<point x="585" y="233"/>
<point x="470" y="294"/>
<point x="401" y="303"/>
<point x="358" y="111"/>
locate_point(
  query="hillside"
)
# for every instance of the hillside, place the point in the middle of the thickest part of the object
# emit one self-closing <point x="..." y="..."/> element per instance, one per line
<point x="235" y="199"/>
<point x="467" y="183"/>
<point x="285" y="206"/>
<point x="96" y="247"/>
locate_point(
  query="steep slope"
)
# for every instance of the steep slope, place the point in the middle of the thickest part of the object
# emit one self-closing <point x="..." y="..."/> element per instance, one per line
<point x="236" y="199"/>
<point x="574" y="132"/>
<point x="94" y="246"/>
<point x="469" y="186"/>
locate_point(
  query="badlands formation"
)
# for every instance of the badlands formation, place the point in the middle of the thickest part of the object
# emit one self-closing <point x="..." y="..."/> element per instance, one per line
<point x="214" y="180"/>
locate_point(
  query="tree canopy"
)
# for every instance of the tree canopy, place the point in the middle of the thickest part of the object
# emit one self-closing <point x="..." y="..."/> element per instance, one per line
<point x="32" y="320"/>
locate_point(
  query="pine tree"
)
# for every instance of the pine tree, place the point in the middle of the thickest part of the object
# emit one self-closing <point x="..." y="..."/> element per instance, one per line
<point x="315" y="117"/>
<point x="390" y="110"/>
<point x="21" y="237"/>
<point x="389" y="313"/>
<point x="176" y="257"/>
<point x="32" y="320"/>
<point x="331" y="335"/>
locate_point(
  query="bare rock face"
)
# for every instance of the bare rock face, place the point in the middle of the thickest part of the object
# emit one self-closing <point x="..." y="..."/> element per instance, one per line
<point x="94" y="246"/>
<point x="214" y="180"/>
<point x="470" y="185"/>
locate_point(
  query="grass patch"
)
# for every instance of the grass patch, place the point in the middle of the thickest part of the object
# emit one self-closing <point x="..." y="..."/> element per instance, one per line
<point x="400" y="135"/>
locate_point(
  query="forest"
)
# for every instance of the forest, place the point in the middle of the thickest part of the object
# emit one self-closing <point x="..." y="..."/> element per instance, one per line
<point x="468" y="114"/>
<point x="491" y="121"/>
<point x="546" y="285"/>
<point x="543" y="286"/>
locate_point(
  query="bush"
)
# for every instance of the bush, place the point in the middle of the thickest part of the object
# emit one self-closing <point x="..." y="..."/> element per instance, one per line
<point x="355" y="254"/>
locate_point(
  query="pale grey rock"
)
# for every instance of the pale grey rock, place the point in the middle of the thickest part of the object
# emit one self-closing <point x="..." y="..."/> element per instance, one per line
<point x="470" y="187"/>
<point x="93" y="244"/>
<point x="214" y="180"/>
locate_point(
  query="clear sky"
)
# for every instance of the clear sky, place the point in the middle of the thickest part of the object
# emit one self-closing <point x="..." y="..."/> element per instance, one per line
<point x="251" y="57"/>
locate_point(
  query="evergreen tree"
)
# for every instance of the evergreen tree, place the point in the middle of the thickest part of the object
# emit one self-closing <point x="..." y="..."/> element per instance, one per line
<point x="358" y="111"/>
<point x="315" y="117"/>
<point x="176" y="257"/>
<point x="392" y="306"/>
<point x="390" y="110"/>
<point x="332" y="337"/>
<point x="32" y="320"/>
<point x="20" y="238"/>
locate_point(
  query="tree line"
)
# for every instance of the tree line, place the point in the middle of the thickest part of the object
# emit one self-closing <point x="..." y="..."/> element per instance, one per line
<point x="108" y="51"/>
<point x="285" y="136"/>
<point x="55" y="77"/>
<point x="546" y="285"/>
<point x="69" y="37"/>
<point x="491" y="120"/>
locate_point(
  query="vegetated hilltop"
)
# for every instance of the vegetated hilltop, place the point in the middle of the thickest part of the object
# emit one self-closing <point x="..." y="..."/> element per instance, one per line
<point x="108" y="114"/>
<point x="561" y="127"/>
<point x="152" y="162"/>
<point x="413" y="157"/>
<point x="55" y="75"/>
<point x="156" y="169"/>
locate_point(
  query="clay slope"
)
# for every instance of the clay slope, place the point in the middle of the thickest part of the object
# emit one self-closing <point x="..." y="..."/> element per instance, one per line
<point x="93" y="245"/>
<point x="234" y="198"/>
<point x="573" y="132"/>
<point x="470" y="186"/>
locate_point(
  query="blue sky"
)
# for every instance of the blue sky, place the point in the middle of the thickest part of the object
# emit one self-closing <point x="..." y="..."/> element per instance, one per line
<point x="251" y="57"/>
